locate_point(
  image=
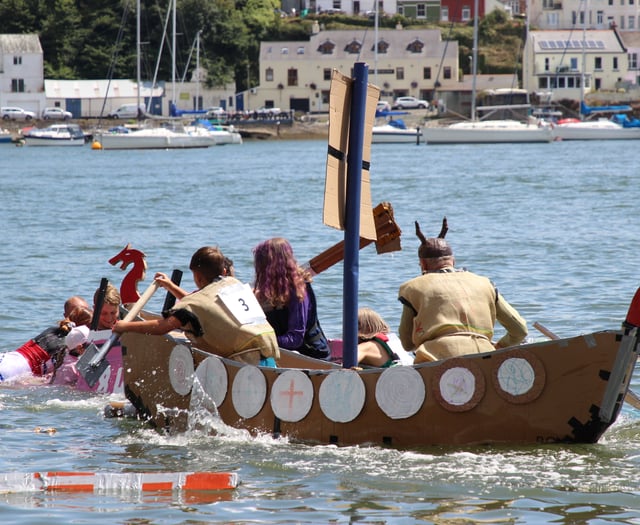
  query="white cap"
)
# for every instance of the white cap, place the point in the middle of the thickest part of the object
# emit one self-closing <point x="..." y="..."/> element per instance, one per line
<point x="77" y="336"/>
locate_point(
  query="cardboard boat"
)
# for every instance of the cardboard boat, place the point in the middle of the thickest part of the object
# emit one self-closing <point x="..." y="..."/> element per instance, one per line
<point x="565" y="390"/>
<point x="560" y="391"/>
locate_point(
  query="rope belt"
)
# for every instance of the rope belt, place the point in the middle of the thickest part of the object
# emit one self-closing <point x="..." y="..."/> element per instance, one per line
<point x="467" y="334"/>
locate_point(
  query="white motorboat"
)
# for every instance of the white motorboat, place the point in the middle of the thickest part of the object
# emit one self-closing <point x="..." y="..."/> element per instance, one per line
<point x="153" y="138"/>
<point x="395" y="132"/>
<point x="618" y="127"/>
<point x="55" y="135"/>
<point x="488" y="132"/>
<point x="221" y="134"/>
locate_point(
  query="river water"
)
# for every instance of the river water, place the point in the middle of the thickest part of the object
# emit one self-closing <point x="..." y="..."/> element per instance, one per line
<point x="554" y="225"/>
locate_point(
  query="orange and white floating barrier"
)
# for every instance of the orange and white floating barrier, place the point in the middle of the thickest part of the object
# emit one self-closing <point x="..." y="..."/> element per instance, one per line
<point x="107" y="481"/>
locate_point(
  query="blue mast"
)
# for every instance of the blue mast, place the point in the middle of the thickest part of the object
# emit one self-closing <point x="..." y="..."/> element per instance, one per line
<point x="352" y="215"/>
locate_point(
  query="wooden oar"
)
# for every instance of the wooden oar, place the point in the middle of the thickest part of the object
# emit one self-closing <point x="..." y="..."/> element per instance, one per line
<point x="630" y="397"/>
<point x="92" y="363"/>
<point x="388" y="233"/>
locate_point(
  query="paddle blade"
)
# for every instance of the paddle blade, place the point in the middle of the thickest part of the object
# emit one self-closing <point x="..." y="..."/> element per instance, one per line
<point x="90" y="366"/>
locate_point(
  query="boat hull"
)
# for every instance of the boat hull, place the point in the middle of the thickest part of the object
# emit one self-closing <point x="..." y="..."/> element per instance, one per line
<point x="598" y="130"/>
<point x="153" y="139"/>
<point x="487" y="132"/>
<point x="569" y="390"/>
<point x="391" y="135"/>
<point x="58" y="142"/>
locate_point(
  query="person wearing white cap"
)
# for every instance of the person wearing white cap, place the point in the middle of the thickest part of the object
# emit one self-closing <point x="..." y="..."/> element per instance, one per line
<point x="449" y="312"/>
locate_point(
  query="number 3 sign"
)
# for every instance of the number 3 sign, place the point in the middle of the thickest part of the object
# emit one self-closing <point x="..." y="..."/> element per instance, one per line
<point x="242" y="304"/>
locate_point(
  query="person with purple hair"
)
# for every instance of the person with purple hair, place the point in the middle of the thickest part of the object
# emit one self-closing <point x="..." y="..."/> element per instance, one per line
<point x="284" y="291"/>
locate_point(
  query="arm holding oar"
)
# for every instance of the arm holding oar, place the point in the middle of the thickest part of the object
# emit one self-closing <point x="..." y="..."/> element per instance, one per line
<point x="630" y="397"/>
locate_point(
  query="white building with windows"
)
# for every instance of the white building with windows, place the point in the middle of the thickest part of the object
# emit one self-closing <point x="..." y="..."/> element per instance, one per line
<point x="297" y="75"/>
<point x="592" y="14"/>
<point x="22" y="72"/>
<point x="567" y="62"/>
<point x="353" y="7"/>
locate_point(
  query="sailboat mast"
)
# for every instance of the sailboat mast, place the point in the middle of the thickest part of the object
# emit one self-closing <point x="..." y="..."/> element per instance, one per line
<point x="375" y="39"/>
<point x="198" y="105"/>
<point x="584" y="56"/>
<point x="475" y="59"/>
<point x="138" y="68"/>
<point x="173" y="53"/>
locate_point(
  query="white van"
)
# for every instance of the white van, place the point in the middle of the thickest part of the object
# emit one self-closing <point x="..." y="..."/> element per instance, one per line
<point x="127" y="111"/>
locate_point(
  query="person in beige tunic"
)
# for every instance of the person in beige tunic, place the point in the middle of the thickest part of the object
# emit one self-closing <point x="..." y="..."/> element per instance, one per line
<point x="449" y="312"/>
<point x="222" y="316"/>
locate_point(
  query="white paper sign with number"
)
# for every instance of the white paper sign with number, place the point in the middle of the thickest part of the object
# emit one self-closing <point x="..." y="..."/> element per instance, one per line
<point x="242" y="304"/>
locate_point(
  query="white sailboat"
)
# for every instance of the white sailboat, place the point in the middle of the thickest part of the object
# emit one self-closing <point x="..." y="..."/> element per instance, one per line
<point x="168" y="136"/>
<point x="478" y="131"/>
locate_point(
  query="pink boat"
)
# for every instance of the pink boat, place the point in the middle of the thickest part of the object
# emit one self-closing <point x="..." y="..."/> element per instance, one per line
<point x="111" y="381"/>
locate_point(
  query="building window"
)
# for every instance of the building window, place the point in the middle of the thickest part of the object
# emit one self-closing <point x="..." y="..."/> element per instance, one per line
<point x="633" y="60"/>
<point x="17" y="85"/>
<point x="17" y="60"/>
<point x="426" y="73"/>
<point x="327" y="47"/>
<point x="353" y="47"/>
<point x="284" y="51"/>
<point x="446" y="72"/>
<point x="466" y="13"/>
<point x="382" y="47"/>
<point x="415" y="47"/>
<point x="326" y="73"/>
<point x="325" y="96"/>
<point x="615" y="63"/>
<point x="292" y="77"/>
<point x="268" y="75"/>
<point x="552" y="19"/>
<point x="444" y="14"/>
<point x="597" y="63"/>
<point x="599" y="17"/>
<point x="546" y="64"/>
<point x="632" y="22"/>
<point x="621" y="22"/>
<point x="300" y="50"/>
<point x="399" y="73"/>
<point x="574" y="63"/>
<point x="421" y="11"/>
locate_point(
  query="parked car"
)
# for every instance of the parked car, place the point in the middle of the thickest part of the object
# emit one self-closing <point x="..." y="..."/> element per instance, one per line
<point x="383" y="105"/>
<point x="15" y="113"/>
<point x="127" y="111"/>
<point x="265" y="111"/>
<point x="215" y="112"/>
<point x="410" y="103"/>
<point x="56" y="114"/>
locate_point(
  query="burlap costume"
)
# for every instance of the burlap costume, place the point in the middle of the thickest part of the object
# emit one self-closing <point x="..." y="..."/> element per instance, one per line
<point x="212" y="327"/>
<point x="448" y="313"/>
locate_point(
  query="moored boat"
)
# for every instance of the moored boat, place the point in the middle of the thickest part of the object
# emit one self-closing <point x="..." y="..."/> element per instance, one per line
<point x="488" y="132"/>
<point x="55" y="135"/>
<point x="153" y="138"/>
<point x="395" y="132"/>
<point x="600" y="129"/>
